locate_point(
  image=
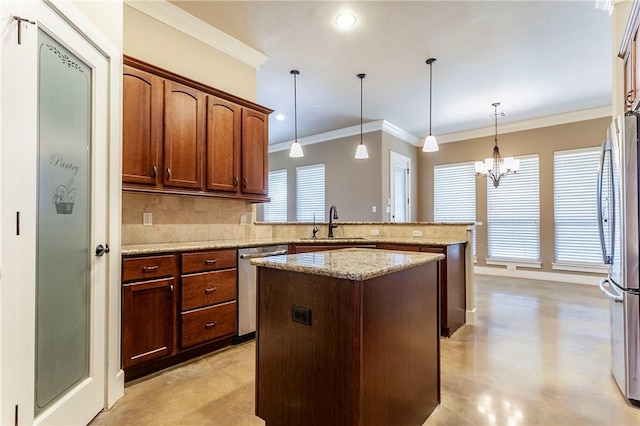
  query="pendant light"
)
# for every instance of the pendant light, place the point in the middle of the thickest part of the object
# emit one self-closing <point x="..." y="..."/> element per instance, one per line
<point x="361" y="151"/>
<point x="496" y="167"/>
<point x="296" y="148"/>
<point x="430" y="143"/>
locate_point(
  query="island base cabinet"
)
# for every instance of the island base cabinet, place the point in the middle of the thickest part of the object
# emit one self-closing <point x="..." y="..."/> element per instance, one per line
<point x="365" y="352"/>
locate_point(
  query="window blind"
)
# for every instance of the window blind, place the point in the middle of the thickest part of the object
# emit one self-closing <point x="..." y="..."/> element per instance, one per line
<point x="513" y="214"/>
<point x="276" y="209"/>
<point x="575" y="179"/>
<point x="454" y="194"/>
<point x="310" y="194"/>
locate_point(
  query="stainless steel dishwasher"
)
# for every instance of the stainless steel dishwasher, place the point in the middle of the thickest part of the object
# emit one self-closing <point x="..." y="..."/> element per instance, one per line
<point x="247" y="288"/>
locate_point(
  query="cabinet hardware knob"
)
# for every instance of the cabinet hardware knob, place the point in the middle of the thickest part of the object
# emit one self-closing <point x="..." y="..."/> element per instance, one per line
<point x="155" y="171"/>
<point x="245" y="182"/>
<point x="168" y="173"/>
<point x="210" y="324"/>
<point x="210" y="290"/>
<point x="235" y="181"/>
<point x="211" y="261"/>
<point x="150" y="268"/>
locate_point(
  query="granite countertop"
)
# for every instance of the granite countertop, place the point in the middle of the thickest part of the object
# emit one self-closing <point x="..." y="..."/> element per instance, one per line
<point x="348" y="264"/>
<point x="136" y="249"/>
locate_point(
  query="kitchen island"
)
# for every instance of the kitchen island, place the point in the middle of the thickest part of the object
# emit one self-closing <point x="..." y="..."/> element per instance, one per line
<point x="347" y="337"/>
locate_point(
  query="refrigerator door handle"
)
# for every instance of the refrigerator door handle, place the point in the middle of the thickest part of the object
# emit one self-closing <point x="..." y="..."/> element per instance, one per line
<point x="606" y="256"/>
<point x="605" y="284"/>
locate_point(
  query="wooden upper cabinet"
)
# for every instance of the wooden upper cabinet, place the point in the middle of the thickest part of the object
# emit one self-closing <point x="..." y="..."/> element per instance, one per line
<point x="223" y="144"/>
<point x="183" y="136"/>
<point x="142" y="126"/>
<point x="629" y="54"/>
<point x="255" y="137"/>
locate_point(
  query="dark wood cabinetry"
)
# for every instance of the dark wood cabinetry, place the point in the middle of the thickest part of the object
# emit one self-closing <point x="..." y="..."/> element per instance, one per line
<point x="148" y="309"/>
<point x="451" y="277"/>
<point x="223" y="145"/>
<point x="142" y="123"/>
<point x="255" y="139"/>
<point x="182" y="137"/>
<point x="631" y="57"/>
<point x="208" y="296"/>
<point x="310" y="247"/>
<point x="175" y="307"/>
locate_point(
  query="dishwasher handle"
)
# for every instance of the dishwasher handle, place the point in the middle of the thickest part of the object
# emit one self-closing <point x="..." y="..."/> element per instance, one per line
<point x="257" y="255"/>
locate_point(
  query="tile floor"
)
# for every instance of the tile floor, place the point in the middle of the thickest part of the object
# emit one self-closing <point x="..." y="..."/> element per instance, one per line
<point x="539" y="355"/>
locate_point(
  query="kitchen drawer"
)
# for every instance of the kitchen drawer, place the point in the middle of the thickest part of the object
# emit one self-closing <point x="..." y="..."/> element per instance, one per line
<point x="208" y="260"/>
<point x="208" y="288"/>
<point x="434" y="249"/>
<point x="150" y="267"/>
<point x="209" y="323"/>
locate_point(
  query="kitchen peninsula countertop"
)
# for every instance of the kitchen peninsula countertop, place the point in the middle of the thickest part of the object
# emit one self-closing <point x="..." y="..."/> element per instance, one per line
<point x="136" y="249"/>
<point x="349" y="264"/>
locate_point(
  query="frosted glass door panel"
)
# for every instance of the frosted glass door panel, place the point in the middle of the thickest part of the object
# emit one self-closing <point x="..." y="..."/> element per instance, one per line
<point x="63" y="222"/>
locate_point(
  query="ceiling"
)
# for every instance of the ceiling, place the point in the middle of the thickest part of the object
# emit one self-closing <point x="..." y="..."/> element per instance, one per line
<point x="537" y="58"/>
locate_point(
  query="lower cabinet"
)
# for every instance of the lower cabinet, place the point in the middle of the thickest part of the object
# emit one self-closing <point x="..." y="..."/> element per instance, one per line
<point x="176" y="306"/>
<point x="451" y="276"/>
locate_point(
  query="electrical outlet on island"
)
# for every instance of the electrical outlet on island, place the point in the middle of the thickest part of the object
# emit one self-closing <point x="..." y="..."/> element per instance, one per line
<point x="374" y="232"/>
<point x="417" y="233"/>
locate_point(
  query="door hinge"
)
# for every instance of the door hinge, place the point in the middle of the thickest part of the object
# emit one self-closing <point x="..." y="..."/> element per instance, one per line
<point x="20" y="21"/>
<point x="15" y="421"/>
<point x="17" y="223"/>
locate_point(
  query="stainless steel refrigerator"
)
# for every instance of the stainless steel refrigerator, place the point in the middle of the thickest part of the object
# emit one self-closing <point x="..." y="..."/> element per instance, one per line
<point x="618" y="222"/>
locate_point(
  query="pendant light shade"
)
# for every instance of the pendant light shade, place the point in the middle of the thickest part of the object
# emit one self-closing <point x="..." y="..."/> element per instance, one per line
<point x="496" y="167"/>
<point x="430" y="143"/>
<point x="296" y="148"/>
<point x="361" y="151"/>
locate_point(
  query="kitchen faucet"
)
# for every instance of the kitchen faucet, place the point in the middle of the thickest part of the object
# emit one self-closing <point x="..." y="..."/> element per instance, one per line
<point x="333" y="214"/>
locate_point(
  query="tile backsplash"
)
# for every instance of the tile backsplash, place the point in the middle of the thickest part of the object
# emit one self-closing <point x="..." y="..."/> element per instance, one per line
<point x="179" y="219"/>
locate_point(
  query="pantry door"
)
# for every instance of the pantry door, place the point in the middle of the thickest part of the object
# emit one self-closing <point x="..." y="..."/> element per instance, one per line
<point x="54" y="211"/>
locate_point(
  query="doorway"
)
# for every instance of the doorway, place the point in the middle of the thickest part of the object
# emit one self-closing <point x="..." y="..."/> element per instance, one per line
<point x="399" y="205"/>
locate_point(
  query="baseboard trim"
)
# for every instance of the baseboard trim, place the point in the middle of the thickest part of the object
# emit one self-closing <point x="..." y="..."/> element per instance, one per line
<point x="538" y="275"/>
<point x="470" y="317"/>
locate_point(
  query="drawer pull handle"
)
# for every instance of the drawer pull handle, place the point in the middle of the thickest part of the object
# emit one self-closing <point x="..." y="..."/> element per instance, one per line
<point x="210" y="325"/>
<point x="150" y="268"/>
<point x="211" y="261"/>
<point x="210" y="290"/>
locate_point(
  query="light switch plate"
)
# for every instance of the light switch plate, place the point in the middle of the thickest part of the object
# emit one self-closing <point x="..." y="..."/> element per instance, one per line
<point x="147" y="219"/>
<point x="417" y="233"/>
<point x="373" y="209"/>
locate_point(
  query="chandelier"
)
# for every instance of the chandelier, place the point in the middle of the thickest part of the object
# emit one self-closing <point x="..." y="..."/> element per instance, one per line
<point x="496" y="167"/>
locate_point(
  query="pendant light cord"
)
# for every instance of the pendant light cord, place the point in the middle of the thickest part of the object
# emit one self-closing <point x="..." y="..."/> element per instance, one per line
<point x="495" y="114"/>
<point x="295" y="105"/>
<point x="430" y="92"/>
<point x="361" y="77"/>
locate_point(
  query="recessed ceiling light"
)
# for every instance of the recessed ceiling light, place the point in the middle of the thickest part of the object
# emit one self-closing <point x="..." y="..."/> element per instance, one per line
<point x="345" y="20"/>
<point x="280" y="117"/>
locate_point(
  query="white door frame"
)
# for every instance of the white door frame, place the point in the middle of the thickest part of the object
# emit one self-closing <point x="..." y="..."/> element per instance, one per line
<point x="396" y="159"/>
<point x="15" y="360"/>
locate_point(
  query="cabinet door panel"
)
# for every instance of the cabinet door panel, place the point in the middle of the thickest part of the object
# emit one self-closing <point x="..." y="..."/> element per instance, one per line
<point x="183" y="136"/>
<point x="141" y="126"/>
<point x="255" y="130"/>
<point x="223" y="145"/>
<point x="147" y="321"/>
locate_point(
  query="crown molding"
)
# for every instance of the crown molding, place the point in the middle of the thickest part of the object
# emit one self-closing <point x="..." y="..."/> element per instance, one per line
<point x="176" y="18"/>
<point x="385" y="126"/>
<point x="372" y="126"/>
<point x="536" y="123"/>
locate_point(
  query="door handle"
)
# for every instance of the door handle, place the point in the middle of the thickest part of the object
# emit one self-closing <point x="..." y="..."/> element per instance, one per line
<point x="101" y="250"/>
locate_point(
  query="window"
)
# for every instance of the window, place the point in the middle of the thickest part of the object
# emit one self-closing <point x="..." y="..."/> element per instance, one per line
<point x="575" y="214"/>
<point x="454" y="194"/>
<point x="513" y="214"/>
<point x="276" y="209"/>
<point x="310" y="193"/>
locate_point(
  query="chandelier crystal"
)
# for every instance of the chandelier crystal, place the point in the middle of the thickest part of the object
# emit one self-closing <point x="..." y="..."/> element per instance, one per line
<point x="496" y="167"/>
